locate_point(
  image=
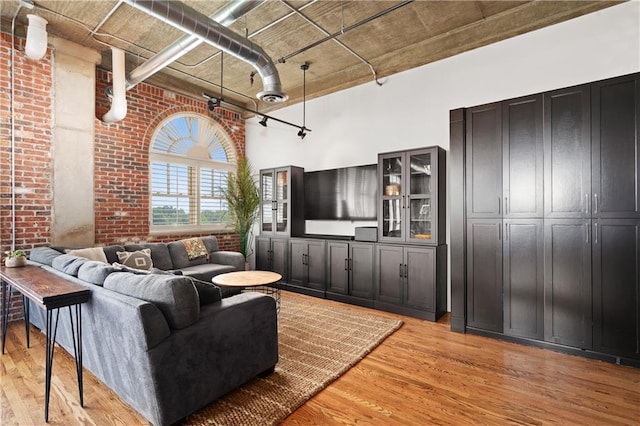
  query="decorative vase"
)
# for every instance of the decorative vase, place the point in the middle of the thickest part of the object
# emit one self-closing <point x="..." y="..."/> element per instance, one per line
<point x="15" y="262"/>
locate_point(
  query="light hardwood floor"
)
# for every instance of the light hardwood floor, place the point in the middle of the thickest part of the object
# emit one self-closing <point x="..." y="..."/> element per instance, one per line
<point x="423" y="374"/>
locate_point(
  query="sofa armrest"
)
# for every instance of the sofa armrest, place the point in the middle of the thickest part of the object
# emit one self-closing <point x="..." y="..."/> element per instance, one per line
<point x="233" y="258"/>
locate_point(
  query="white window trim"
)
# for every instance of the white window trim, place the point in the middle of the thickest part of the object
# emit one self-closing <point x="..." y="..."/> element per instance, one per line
<point x="197" y="164"/>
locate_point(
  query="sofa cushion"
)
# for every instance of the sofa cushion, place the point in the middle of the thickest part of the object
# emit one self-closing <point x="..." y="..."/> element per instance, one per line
<point x="159" y="254"/>
<point x="68" y="264"/>
<point x="95" y="272"/>
<point x="175" y="296"/>
<point x="180" y="257"/>
<point x="91" y="253"/>
<point x="211" y="243"/>
<point x="111" y="253"/>
<point x="44" y="255"/>
<point x="207" y="292"/>
<point x="206" y="271"/>
<point x="140" y="259"/>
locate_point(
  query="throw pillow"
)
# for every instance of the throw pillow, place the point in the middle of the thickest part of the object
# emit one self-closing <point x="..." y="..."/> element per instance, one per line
<point x="207" y="292"/>
<point x="195" y="248"/>
<point x="140" y="259"/>
<point x="91" y="253"/>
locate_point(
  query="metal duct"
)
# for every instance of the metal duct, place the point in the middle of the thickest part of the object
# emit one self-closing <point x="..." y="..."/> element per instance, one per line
<point x="225" y="16"/>
<point x="118" y="109"/>
<point x="195" y="23"/>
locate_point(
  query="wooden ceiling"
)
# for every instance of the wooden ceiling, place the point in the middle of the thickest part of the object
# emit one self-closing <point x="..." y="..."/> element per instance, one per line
<point x="365" y="49"/>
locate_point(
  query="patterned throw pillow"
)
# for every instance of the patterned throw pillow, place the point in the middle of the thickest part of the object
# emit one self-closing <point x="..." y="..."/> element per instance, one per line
<point x="136" y="259"/>
<point x="195" y="248"/>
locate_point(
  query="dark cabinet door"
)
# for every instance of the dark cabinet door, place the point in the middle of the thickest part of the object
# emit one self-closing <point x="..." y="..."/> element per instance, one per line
<point x="420" y="277"/>
<point x="523" y="275"/>
<point x="263" y="253"/>
<point x="280" y="256"/>
<point x="297" y="265"/>
<point x="567" y="282"/>
<point x="390" y="273"/>
<point x="338" y="267"/>
<point x="616" y="148"/>
<point x="315" y="263"/>
<point x="523" y="177"/>
<point x="484" y="274"/>
<point x="361" y="270"/>
<point x="567" y="152"/>
<point x="616" y="286"/>
<point x="484" y="161"/>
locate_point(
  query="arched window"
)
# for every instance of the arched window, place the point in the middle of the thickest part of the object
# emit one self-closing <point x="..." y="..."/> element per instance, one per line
<point x="190" y="157"/>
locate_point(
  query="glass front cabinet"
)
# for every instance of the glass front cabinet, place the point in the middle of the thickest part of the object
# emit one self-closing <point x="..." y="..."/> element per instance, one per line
<point x="411" y="192"/>
<point x="281" y="201"/>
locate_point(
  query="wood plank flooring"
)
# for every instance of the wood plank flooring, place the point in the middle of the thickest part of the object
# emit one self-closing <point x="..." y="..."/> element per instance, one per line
<point x="421" y="375"/>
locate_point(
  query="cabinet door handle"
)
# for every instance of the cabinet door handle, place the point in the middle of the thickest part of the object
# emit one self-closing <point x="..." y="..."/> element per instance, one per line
<point x="586" y="233"/>
<point x="506" y="232"/>
<point x="499" y="206"/>
<point x="406" y="271"/>
<point x="351" y="264"/>
<point x="586" y="203"/>
<point x="400" y="269"/>
<point x="506" y="205"/>
<point x="595" y="234"/>
<point x="499" y="233"/>
<point x="403" y="203"/>
<point x="303" y="258"/>
<point x="595" y="207"/>
<point x="346" y="264"/>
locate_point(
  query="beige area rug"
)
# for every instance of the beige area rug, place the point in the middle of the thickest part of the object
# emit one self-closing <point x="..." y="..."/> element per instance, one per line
<point x="317" y="344"/>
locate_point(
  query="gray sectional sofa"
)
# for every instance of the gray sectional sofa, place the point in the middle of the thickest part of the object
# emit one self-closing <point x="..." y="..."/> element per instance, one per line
<point x="167" y="344"/>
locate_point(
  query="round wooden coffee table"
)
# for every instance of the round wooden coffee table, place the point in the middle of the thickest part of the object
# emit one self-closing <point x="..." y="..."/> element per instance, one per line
<point x="261" y="281"/>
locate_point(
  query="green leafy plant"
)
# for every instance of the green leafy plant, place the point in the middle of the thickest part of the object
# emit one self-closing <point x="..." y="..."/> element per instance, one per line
<point x="243" y="199"/>
<point x="14" y="253"/>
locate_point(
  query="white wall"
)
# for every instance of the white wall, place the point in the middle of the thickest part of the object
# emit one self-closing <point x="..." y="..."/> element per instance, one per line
<point x="352" y="126"/>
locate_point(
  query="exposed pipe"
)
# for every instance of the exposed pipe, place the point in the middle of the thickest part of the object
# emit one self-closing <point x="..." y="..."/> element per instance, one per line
<point x="119" y="96"/>
<point x="28" y="5"/>
<point x="193" y="22"/>
<point x="344" y="30"/>
<point x="326" y="33"/>
<point x="225" y="16"/>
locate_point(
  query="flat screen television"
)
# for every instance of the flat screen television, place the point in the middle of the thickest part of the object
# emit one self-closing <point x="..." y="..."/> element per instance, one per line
<point x="348" y="193"/>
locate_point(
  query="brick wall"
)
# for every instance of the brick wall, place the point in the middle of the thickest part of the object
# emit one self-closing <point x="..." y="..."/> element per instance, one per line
<point x="121" y="156"/>
<point x="33" y="121"/>
<point x="122" y="159"/>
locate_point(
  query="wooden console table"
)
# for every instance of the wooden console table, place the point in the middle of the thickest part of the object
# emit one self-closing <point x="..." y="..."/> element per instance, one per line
<point x="50" y="292"/>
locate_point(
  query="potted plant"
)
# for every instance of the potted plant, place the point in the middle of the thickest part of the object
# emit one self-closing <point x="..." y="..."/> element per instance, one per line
<point x="243" y="199"/>
<point x="15" y="258"/>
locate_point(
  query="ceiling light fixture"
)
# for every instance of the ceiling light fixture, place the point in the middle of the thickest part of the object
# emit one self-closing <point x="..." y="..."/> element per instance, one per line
<point x="304" y="67"/>
<point x="217" y="101"/>
<point x="36" y="45"/>
<point x="263" y="122"/>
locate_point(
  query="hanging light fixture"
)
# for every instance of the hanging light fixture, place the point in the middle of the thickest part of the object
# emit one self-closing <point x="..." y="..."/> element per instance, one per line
<point x="304" y="67"/>
<point x="36" y="45"/>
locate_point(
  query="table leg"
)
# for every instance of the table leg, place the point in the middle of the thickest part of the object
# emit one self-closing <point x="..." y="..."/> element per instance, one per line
<point x="50" y="347"/>
<point x="76" y="335"/>
<point x="5" y="312"/>
<point x="25" y="310"/>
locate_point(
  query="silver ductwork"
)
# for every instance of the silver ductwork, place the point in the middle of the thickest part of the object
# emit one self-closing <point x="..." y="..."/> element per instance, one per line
<point x="225" y="16"/>
<point x="195" y="23"/>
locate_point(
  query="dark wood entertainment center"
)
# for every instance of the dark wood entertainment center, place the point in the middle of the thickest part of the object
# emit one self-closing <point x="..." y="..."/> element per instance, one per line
<point x="545" y="219"/>
<point x="403" y="270"/>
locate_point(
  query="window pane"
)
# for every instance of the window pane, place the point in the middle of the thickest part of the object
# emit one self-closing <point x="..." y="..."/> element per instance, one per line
<point x="170" y="194"/>
<point x="213" y="207"/>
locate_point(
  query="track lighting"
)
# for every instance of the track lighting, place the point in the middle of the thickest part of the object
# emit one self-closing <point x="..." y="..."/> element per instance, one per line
<point x="213" y="103"/>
